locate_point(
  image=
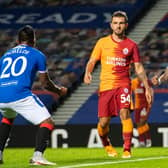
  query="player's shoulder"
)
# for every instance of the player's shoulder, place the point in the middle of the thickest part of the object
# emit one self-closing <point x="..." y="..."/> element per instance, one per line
<point x="35" y="50"/>
<point x="131" y="41"/>
<point x="104" y="39"/>
<point x="7" y="53"/>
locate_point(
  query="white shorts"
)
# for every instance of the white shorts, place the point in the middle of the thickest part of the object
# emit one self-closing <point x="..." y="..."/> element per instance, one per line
<point x="31" y="108"/>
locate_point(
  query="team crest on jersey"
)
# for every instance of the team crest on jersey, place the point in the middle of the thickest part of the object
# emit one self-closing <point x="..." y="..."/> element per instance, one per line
<point x="125" y="90"/>
<point x="125" y="51"/>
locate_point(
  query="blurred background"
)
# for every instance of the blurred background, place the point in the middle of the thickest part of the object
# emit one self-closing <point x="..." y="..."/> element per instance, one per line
<point x="66" y="33"/>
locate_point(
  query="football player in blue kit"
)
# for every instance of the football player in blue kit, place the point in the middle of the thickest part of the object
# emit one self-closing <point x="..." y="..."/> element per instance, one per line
<point x="18" y="68"/>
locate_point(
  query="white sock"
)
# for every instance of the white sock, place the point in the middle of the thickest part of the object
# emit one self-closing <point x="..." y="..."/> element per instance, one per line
<point x="1" y="155"/>
<point x="37" y="153"/>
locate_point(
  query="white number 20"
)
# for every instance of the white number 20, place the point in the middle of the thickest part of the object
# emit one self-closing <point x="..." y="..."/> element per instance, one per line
<point x="125" y="98"/>
<point x="10" y="68"/>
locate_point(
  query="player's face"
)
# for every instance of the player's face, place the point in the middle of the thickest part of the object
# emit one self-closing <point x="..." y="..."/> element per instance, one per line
<point x="118" y="25"/>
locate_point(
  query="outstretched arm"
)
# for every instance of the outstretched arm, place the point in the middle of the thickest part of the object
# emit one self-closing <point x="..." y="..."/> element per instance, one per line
<point x="48" y="84"/>
<point x="157" y="80"/>
<point x="89" y="69"/>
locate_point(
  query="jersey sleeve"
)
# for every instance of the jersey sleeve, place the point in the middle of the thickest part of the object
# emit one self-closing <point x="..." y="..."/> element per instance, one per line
<point x="96" y="53"/>
<point x="41" y="63"/>
<point x="136" y="55"/>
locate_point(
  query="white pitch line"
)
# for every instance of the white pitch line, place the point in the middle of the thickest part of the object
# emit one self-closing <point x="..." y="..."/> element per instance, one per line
<point x="114" y="162"/>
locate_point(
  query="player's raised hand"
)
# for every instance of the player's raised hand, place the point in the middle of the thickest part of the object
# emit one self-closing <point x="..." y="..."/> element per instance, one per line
<point x="87" y="78"/>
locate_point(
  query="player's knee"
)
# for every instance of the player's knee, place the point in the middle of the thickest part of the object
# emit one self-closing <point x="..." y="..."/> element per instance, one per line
<point x="124" y="114"/>
<point x="8" y="121"/>
<point x="104" y="122"/>
<point x="142" y="122"/>
<point x="48" y="123"/>
<point x="102" y="130"/>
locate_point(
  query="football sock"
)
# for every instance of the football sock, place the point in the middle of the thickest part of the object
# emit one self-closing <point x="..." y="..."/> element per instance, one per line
<point x="103" y="133"/>
<point x="144" y="132"/>
<point x="42" y="137"/>
<point x="5" y="129"/>
<point x="37" y="153"/>
<point x="141" y="134"/>
<point x="1" y="157"/>
<point x="147" y="131"/>
<point x="127" y="129"/>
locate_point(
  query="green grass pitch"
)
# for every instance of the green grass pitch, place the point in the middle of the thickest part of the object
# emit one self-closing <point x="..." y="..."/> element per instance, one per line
<point x="154" y="157"/>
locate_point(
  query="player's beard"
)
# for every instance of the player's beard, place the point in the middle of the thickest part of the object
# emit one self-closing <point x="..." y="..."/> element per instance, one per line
<point x="119" y="32"/>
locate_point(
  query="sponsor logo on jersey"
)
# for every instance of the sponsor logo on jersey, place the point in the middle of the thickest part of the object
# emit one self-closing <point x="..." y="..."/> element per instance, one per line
<point x="116" y="61"/>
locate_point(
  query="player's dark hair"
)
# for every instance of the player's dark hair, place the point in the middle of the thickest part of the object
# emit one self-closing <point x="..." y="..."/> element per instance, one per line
<point x="120" y="14"/>
<point x="26" y="34"/>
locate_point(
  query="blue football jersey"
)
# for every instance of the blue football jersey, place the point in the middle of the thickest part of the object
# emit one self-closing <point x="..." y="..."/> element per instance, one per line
<point x="18" y="68"/>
